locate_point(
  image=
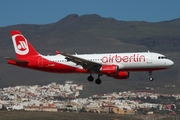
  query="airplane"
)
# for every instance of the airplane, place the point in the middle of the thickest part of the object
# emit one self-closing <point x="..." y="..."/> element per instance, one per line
<point x="116" y="65"/>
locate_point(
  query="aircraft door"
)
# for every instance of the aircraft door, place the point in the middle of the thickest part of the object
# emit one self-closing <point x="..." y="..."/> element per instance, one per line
<point x="40" y="62"/>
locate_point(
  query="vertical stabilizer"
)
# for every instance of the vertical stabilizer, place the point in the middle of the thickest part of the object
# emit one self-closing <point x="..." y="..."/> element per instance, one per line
<point x="22" y="47"/>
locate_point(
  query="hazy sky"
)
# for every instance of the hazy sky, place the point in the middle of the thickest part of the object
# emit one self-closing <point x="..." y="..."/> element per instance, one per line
<point x="48" y="11"/>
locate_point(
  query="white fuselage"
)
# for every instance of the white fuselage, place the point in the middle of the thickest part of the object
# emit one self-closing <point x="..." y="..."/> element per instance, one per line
<point x="142" y="61"/>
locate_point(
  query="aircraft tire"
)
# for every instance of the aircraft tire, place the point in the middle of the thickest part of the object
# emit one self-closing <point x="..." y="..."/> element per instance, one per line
<point x="98" y="81"/>
<point x="151" y="78"/>
<point x="90" y="78"/>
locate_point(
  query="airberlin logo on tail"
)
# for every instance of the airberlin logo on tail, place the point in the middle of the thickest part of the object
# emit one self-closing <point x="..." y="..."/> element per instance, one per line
<point x="20" y="44"/>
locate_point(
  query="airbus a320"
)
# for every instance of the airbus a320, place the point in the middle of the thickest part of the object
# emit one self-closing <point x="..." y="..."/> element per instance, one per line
<point x="116" y="65"/>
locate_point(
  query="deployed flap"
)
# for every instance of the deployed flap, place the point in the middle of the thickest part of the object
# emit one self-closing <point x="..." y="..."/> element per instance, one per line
<point x="86" y="64"/>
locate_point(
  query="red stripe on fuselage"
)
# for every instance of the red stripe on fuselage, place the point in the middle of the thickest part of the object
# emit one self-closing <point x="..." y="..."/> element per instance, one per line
<point x="42" y="64"/>
<point x="143" y="69"/>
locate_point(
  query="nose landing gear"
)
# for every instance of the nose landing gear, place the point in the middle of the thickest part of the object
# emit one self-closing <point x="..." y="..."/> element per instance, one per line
<point x="150" y="76"/>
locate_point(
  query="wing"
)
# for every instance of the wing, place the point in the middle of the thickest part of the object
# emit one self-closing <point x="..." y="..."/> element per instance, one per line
<point x="86" y="64"/>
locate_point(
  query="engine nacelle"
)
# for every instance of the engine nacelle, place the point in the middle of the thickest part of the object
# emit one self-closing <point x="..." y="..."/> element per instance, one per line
<point x="110" y="69"/>
<point x="122" y="75"/>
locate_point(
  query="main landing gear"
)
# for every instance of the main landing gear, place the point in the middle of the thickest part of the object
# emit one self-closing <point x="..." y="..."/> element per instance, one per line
<point x="97" y="81"/>
<point x="150" y="76"/>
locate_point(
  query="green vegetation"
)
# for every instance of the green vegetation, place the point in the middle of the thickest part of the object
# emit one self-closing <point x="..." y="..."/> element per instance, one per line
<point x="22" y="115"/>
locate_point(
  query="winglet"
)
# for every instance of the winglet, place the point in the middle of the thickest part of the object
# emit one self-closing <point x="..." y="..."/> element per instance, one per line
<point x="57" y="52"/>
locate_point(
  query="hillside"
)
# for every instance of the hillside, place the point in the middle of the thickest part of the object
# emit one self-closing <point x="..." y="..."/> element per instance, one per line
<point x="94" y="34"/>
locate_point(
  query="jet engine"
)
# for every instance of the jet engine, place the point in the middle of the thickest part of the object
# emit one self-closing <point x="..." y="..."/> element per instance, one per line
<point x="122" y="75"/>
<point x="110" y="69"/>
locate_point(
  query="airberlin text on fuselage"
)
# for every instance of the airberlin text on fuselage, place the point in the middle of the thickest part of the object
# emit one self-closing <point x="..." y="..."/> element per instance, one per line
<point x="118" y="58"/>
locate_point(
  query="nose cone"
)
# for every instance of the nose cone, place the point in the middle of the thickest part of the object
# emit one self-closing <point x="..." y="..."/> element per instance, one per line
<point x="169" y="63"/>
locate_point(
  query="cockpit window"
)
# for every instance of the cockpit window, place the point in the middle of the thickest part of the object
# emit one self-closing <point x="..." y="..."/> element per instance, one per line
<point x="162" y="57"/>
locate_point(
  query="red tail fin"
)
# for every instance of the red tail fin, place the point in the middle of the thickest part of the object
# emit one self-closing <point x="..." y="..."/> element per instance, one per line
<point x="22" y="47"/>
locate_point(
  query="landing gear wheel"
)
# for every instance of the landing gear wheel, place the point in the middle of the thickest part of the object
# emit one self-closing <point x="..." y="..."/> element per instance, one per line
<point x="98" y="81"/>
<point x="151" y="78"/>
<point x="150" y="74"/>
<point x="90" y="78"/>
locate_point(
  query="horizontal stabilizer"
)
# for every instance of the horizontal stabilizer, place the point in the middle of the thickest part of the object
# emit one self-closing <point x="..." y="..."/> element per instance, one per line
<point x="16" y="61"/>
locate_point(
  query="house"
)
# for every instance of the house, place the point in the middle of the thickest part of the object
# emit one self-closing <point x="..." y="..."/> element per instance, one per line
<point x="122" y="111"/>
<point x="41" y="108"/>
<point x="32" y="108"/>
<point x="49" y="109"/>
